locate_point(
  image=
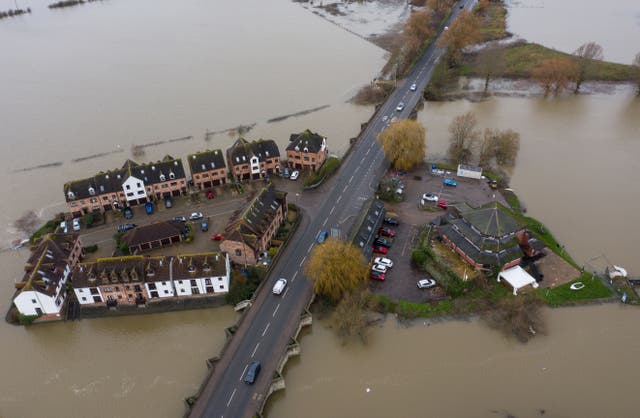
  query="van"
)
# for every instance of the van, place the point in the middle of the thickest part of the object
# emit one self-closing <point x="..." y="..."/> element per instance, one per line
<point x="279" y="286"/>
<point x="252" y="372"/>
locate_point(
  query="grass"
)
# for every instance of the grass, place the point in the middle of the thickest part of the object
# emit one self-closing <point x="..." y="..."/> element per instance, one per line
<point x="563" y="295"/>
<point x="328" y="168"/>
<point x="512" y="200"/>
<point x="494" y="22"/>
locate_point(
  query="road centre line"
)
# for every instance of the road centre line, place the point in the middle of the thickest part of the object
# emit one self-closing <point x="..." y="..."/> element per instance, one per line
<point x="275" y="311"/>
<point x="332" y="209"/>
<point x="293" y="279"/>
<point x="255" y="349"/>
<point x="244" y="370"/>
<point x="302" y="261"/>
<point x="325" y="221"/>
<point x="263" y="333"/>
<point x="285" y="293"/>
<point x="339" y="199"/>
<point x="232" y="395"/>
<point x="351" y="179"/>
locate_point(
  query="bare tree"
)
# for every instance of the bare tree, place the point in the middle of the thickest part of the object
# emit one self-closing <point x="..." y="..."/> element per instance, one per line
<point x="553" y="75"/>
<point x="507" y="145"/>
<point x="463" y="137"/>
<point x="465" y="30"/>
<point x="27" y="223"/>
<point x="487" y="147"/>
<point x="491" y="64"/>
<point x="586" y="54"/>
<point x="636" y="63"/>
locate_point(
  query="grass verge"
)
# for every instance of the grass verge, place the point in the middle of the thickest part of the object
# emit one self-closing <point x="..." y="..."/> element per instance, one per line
<point x="563" y="295"/>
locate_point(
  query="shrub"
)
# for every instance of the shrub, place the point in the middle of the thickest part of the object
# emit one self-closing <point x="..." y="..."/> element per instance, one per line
<point x="328" y="168"/>
<point x="27" y="319"/>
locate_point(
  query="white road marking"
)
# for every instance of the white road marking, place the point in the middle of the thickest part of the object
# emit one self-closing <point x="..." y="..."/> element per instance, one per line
<point x="310" y="247"/>
<point x="245" y="369"/>
<point x="325" y="222"/>
<point x="367" y="153"/>
<point x="345" y="188"/>
<point x="351" y="179"/>
<point x="293" y="279"/>
<point x="356" y="170"/>
<point x="332" y="209"/>
<point x="275" y="311"/>
<point x="265" y="331"/>
<point x="339" y="199"/>
<point x="285" y="293"/>
<point x="255" y="349"/>
<point x="231" y="397"/>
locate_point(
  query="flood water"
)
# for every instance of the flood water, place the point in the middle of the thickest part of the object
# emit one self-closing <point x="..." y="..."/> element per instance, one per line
<point x="100" y="77"/>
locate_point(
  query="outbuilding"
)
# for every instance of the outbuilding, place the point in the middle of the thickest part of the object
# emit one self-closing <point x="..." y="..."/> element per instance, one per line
<point x="470" y="171"/>
<point x="517" y="278"/>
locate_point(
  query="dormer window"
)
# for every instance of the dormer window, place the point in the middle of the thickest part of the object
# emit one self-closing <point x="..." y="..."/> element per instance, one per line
<point x="101" y="189"/>
<point x="206" y="267"/>
<point x="162" y="177"/>
<point x="213" y="165"/>
<point x="71" y="195"/>
<point x="153" y="167"/>
<point x="204" y="167"/>
<point x="172" y="175"/>
<point x="141" y="171"/>
<point x="266" y="153"/>
<point x="92" y="191"/>
<point x="297" y="148"/>
<point x="106" y="176"/>
<point x="175" y="163"/>
<point x="237" y="159"/>
<point x="244" y="158"/>
<point x="306" y="149"/>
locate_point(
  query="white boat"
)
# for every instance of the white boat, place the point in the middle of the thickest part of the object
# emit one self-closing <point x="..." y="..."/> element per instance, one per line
<point x="577" y="286"/>
<point x="616" y="271"/>
<point x="17" y="244"/>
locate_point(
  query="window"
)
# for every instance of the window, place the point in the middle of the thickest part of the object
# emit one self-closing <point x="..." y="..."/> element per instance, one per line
<point x="139" y="184"/>
<point x="119" y="296"/>
<point x="128" y="187"/>
<point x="117" y="289"/>
<point x="207" y="282"/>
<point x="205" y="175"/>
<point x="193" y="282"/>
<point x="166" y="292"/>
<point x="130" y="194"/>
<point x="165" y="186"/>
<point x="33" y="301"/>
<point x="107" y="289"/>
<point x="140" y="191"/>
<point x="182" y="290"/>
<point x="164" y="283"/>
<point x="130" y="296"/>
<point x="197" y="177"/>
<point x="180" y="282"/>
<point x="174" y="183"/>
<point x="84" y="299"/>
<point x="152" y="286"/>
<point x="221" y="287"/>
<point x="238" y="253"/>
<point x="306" y="158"/>
<point x="127" y="287"/>
<point x="219" y="279"/>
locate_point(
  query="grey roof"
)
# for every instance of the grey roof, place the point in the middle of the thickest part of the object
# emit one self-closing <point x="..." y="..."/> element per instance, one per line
<point x="492" y="219"/>
<point x="128" y="269"/>
<point x="152" y="173"/>
<point x="242" y="150"/>
<point x="470" y="167"/>
<point x="153" y="232"/>
<point x="206" y="161"/>
<point x="307" y="140"/>
<point x="191" y="266"/>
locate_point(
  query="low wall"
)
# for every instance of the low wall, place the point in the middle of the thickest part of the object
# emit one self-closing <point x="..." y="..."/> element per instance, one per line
<point x="155" y="306"/>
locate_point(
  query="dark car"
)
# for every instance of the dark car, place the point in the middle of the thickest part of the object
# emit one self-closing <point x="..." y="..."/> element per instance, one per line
<point x="168" y="202"/>
<point x="383" y="242"/>
<point x="148" y="207"/>
<point x="128" y="213"/>
<point x="126" y="227"/>
<point x="180" y="218"/>
<point x="252" y="372"/>
<point x="391" y="221"/>
<point x="387" y="232"/>
<point x="204" y="226"/>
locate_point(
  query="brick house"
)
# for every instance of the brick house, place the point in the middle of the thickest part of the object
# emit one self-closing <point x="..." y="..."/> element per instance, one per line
<point x="132" y="184"/>
<point x="251" y="233"/>
<point x="207" y="168"/>
<point x="306" y="151"/>
<point x="253" y="160"/>
<point x="42" y="289"/>
<point x="155" y="235"/>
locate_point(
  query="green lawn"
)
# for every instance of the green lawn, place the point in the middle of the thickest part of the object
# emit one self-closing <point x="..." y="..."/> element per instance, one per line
<point x="562" y="295"/>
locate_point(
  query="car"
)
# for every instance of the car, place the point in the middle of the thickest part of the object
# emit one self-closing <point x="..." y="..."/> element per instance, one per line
<point x="126" y="227"/>
<point x="493" y="184"/>
<point x="383" y="261"/>
<point x="462" y="6"/>
<point x="128" y="213"/>
<point x="430" y="197"/>
<point x="322" y="236"/>
<point x="76" y="224"/>
<point x="180" y="218"/>
<point x="285" y="173"/>
<point x="382" y="241"/>
<point x="168" y="202"/>
<point x="148" y="207"/>
<point x="63" y="227"/>
<point x="195" y="216"/>
<point x="204" y="226"/>
<point x="278" y="288"/>
<point x="210" y="194"/>
<point x="379" y="268"/>
<point x="413" y="87"/>
<point x="442" y="204"/>
<point x="253" y="370"/>
<point x="450" y="182"/>
<point x="400" y="107"/>
<point x="294" y="175"/>
<point x="384" y="118"/>
<point x="375" y="275"/>
<point x="386" y="232"/>
<point x="217" y="237"/>
<point x="426" y="283"/>
<point x="391" y="221"/>
<point x="379" y="249"/>
<point x="446" y="28"/>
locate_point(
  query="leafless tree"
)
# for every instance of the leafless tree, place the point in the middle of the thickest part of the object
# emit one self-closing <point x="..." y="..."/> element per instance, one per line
<point x="491" y="64"/>
<point x="463" y="137"/>
<point x="586" y="54"/>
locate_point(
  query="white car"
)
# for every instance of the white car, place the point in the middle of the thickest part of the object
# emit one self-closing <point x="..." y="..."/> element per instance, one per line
<point x="430" y="197"/>
<point x="76" y="224"/>
<point x="383" y="261"/>
<point x="63" y="227"/>
<point x="278" y="288"/>
<point x="379" y="268"/>
<point x="446" y="28"/>
<point x="195" y="216"/>
<point x="400" y="106"/>
<point x="295" y="175"/>
<point x="426" y="283"/>
<point x="413" y="87"/>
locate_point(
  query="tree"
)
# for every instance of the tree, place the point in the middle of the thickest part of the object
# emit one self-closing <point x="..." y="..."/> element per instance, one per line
<point x="554" y="74"/>
<point x="440" y="7"/>
<point x="487" y="147"/>
<point x="520" y="316"/>
<point x="349" y="318"/>
<point x="27" y="223"/>
<point x="336" y="268"/>
<point x="465" y="30"/>
<point x="586" y="54"/>
<point x="636" y="63"/>
<point x="463" y="137"/>
<point x="507" y="145"/>
<point x="404" y="143"/>
<point x="490" y="64"/>
<point x="419" y="25"/>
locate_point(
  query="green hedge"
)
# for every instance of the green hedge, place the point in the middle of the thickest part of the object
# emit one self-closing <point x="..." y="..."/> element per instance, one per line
<point x="328" y="168"/>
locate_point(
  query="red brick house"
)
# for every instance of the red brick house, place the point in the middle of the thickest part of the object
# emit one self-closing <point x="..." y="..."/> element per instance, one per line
<point x="207" y="168"/>
<point x="253" y="160"/>
<point x="306" y="151"/>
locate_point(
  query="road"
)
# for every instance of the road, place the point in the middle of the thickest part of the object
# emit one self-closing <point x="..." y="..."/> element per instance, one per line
<point x="265" y="332"/>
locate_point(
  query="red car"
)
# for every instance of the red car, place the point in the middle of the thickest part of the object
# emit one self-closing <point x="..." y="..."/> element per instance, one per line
<point x="375" y="275"/>
<point x="379" y="249"/>
<point x="387" y="232"/>
<point x="442" y="204"/>
<point x="217" y="237"/>
<point x="210" y="194"/>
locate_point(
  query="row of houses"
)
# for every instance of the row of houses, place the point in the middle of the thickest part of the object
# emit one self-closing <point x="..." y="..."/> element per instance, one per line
<point x="135" y="183"/>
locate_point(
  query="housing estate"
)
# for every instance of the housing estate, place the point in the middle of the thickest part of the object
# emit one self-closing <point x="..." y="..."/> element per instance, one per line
<point x="306" y="151"/>
<point x="251" y="232"/>
<point x="130" y="185"/>
<point x="207" y="168"/>
<point x="42" y="289"/>
<point x="253" y="160"/>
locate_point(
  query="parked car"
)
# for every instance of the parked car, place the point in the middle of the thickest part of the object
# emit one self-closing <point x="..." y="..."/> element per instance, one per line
<point x="210" y="194"/>
<point x="442" y="204"/>
<point x="285" y="173"/>
<point x="450" y="182"/>
<point x="391" y="221"/>
<point x="387" y="232"/>
<point x="148" y="207"/>
<point x="180" y="218"/>
<point x="76" y="224"/>
<point x="322" y="236"/>
<point x="217" y="237"/>
<point x="168" y="202"/>
<point x="63" y="227"/>
<point x="294" y="175"/>
<point x="413" y="87"/>
<point x="128" y="213"/>
<point x="379" y="268"/>
<point x="195" y="216"/>
<point x="400" y="106"/>
<point x="253" y="370"/>
<point x="126" y="227"/>
<point x="204" y="226"/>
<point x="376" y="275"/>
<point x="383" y="261"/>
<point x="379" y="249"/>
<point x="426" y="283"/>
<point x="430" y="197"/>
<point x="382" y="241"/>
<point x="278" y="288"/>
<point x="493" y="184"/>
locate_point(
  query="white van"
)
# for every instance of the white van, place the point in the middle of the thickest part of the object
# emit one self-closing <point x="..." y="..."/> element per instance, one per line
<point x="279" y="286"/>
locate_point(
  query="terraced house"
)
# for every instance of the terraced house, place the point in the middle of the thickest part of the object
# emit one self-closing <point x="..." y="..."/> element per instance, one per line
<point x="207" y="168"/>
<point x="250" y="234"/>
<point x="253" y="160"/>
<point x="132" y="184"/>
<point x="42" y="289"/>
<point x="306" y="151"/>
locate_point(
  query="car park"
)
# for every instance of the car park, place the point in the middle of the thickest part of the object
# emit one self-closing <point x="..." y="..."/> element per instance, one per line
<point x="387" y="232"/>
<point x="204" y="226"/>
<point x="76" y="224"/>
<point x="168" y="202"/>
<point x="322" y="236"/>
<point x="383" y="261"/>
<point x="379" y="268"/>
<point x="450" y="182"/>
<point x="128" y="213"/>
<point x="148" y="207"/>
<point x="195" y="216"/>
<point x="382" y="241"/>
<point x="253" y="369"/>
<point x="426" y="283"/>
<point x="294" y="175"/>
<point x="126" y="227"/>
<point x="379" y="249"/>
<point x="278" y="288"/>
<point x="217" y="237"/>
<point x="180" y="218"/>
<point x="63" y="227"/>
<point x="400" y="107"/>
<point x="391" y="221"/>
<point x="210" y="194"/>
<point x="376" y="275"/>
<point x="413" y="87"/>
<point x="430" y="197"/>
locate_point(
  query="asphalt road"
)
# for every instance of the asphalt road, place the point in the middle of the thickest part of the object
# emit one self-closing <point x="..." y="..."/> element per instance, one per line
<point x="266" y="330"/>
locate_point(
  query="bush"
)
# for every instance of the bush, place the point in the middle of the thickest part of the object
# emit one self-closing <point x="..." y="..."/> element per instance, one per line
<point x="244" y="284"/>
<point x="418" y="257"/>
<point x="27" y="319"/>
<point x="91" y="248"/>
<point x="328" y="168"/>
<point x="88" y="220"/>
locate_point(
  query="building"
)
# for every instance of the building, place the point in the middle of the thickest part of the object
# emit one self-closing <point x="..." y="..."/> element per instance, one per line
<point x="306" y="151"/>
<point x="42" y="289"/>
<point x="199" y="274"/>
<point x="517" y="278"/>
<point x="251" y="232"/>
<point x="487" y="237"/>
<point x="470" y="171"/>
<point x="132" y="184"/>
<point x="253" y="160"/>
<point x="207" y="168"/>
<point x="152" y="236"/>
